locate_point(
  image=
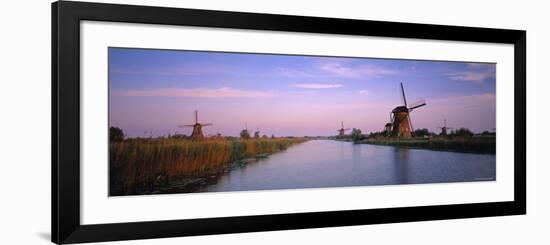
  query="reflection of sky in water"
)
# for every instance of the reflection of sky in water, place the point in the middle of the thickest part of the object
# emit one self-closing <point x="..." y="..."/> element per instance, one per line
<point x="334" y="164"/>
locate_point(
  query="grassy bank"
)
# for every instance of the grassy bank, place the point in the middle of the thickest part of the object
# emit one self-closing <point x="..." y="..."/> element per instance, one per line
<point x="136" y="165"/>
<point x="485" y="145"/>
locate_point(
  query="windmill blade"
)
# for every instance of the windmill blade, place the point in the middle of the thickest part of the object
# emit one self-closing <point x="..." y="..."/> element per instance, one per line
<point x="417" y="104"/>
<point x="206" y="124"/>
<point x="347" y="128"/>
<point x="196" y="116"/>
<point x="403" y="98"/>
<point x="183" y="126"/>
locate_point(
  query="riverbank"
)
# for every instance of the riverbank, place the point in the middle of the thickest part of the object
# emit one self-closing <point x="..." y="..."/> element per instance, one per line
<point x="189" y="184"/>
<point x="147" y="166"/>
<point x="476" y="144"/>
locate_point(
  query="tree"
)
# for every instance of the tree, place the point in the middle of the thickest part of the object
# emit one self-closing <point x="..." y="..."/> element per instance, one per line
<point x="178" y="136"/>
<point x="463" y="132"/>
<point x="116" y="134"/>
<point x="245" y="134"/>
<point x="421" y="132"/>
<point x="377" y="135"/>
<point x="356" y="134"/>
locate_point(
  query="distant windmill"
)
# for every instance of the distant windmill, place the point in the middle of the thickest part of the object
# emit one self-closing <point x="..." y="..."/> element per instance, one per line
<point x="342" y="130"/>
<point x="244" y="133"/>
<point x="401" y="119"/>
<point x="387" y="129"/>
<point x="444" y="128"/>
<point x="257" y="133"/>
<point x="197" y="127"/>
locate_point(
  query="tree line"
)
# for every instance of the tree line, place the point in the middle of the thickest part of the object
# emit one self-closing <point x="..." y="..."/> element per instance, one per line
<point x="357" y="135"/>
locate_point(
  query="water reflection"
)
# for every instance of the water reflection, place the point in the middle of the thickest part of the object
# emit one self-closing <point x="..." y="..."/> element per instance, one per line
<point x="326" y="163"/>
<point x="401" y="162"/>
<point x="356" y="157"/>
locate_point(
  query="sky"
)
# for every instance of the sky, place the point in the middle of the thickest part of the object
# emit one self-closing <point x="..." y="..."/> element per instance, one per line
<point x="151" y="92"/>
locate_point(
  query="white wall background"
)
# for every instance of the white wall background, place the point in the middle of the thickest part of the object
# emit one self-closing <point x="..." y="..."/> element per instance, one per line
<point x="25" y="121"/>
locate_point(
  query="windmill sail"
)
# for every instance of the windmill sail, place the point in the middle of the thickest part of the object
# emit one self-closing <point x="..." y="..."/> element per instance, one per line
<point x="401" y="123"/>
<point x="417" y="104"/>
<point x="197" y="133"/>
<point x="188" y="125"/>
<point x="341" y="131"/>
<point x="403" y="98"/>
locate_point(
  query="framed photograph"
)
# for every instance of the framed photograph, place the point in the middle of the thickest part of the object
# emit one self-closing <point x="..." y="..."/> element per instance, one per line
<point x="175" y="122"/>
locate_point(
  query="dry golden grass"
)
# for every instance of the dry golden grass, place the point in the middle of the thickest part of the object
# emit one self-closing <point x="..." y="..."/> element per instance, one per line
<point x="136" y="163"/>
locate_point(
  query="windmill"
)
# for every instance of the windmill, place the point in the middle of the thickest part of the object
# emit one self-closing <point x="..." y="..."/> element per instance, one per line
<point x="257" y="133"/>
<point x="342" y="130"/>
<point x="387" y="129"/>
<point x="401" y="119"/>
<point x="197" y="127"/>
<point x="244" y="133"/>
<point x="444" y="128"/>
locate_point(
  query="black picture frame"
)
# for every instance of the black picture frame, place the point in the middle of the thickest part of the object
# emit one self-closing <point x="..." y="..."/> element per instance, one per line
<point x="66" y="17"/>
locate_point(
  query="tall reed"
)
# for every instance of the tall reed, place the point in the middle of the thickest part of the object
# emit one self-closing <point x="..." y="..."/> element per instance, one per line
<point x="137" y="163"/>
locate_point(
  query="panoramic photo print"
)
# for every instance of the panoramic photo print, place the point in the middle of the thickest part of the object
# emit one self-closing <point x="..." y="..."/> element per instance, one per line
<point x="204" y="121"/>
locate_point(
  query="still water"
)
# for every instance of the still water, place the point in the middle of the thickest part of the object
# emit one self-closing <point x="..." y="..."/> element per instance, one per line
<point x="327" y="163"/>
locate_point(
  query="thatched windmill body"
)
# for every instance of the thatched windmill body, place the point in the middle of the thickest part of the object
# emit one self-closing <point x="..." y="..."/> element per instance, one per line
<point x="444" y="128"/>
<point x="197" y="127"/>
<point x="401" y="119"/>
<point x="387" y="129"/>
<point x="342" y="131"/>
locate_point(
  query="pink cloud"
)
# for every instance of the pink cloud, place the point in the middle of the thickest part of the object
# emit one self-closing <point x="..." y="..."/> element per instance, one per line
<point x="481" y="65"/>
<point x="294" y="73"/>
<point x="468" y="100"/>
<point x="186" y="69"/>
<point x="342" y="70"/>
<point x="317" y="85"/>
<point x="471" y="76"/>
<point x="222" y="92"/>
<point x="478" y="73"/>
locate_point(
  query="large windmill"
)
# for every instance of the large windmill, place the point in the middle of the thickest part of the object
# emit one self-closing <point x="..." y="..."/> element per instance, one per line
<point x="401" y="119"/>
<point x="342" y="131"/>
<point x="197" y="127"/>
<point x="444" y="128"/>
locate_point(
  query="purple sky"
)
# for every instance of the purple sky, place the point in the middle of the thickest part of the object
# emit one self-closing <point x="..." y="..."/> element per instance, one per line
<point x="154" y="91"/>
